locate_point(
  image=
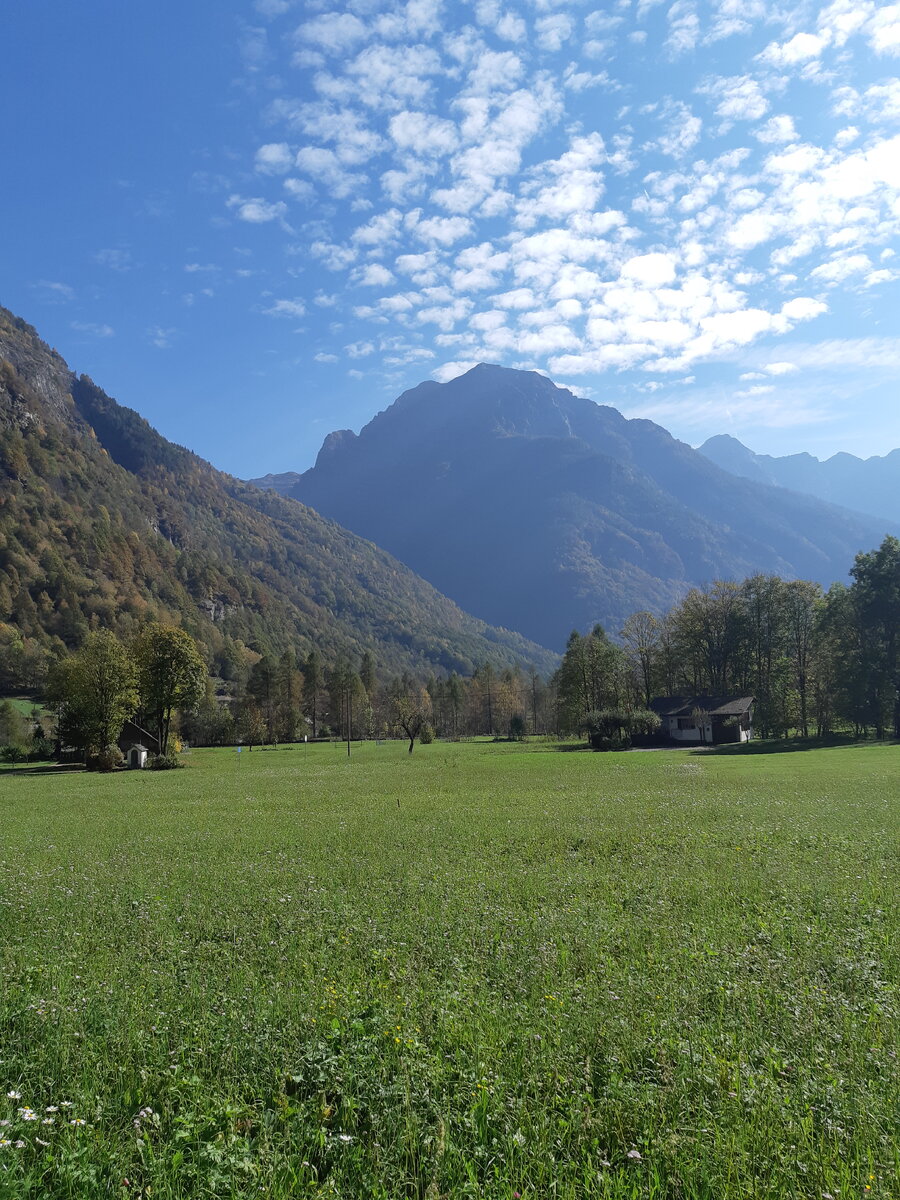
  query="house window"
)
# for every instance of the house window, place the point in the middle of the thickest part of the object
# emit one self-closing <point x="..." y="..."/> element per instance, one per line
<point x="686" y="723"/>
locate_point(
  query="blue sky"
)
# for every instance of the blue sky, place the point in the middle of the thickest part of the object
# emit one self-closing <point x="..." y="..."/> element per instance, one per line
<point x="257" y="222"/>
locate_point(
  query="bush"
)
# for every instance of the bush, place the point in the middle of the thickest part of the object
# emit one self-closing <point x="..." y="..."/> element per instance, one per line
<point x="613" y="728"/>
<point x="164" y="762"/>
<point x="41" y="749"/>
<point x="13" y="754"/>
<point x="107" y="760"/>
<point x="426" y="734"/>
<point x="517" y="728"/>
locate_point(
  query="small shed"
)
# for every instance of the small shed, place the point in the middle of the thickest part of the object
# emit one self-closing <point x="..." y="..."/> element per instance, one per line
<point x="137" y="757"/>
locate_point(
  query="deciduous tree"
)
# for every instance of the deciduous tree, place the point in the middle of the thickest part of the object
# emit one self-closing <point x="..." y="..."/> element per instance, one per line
<point x="171" y="675"/>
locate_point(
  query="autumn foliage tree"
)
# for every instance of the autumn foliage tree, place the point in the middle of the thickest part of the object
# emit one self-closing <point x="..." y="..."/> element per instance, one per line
<point x="171" y="675"/>
<point x="94" y="691"/>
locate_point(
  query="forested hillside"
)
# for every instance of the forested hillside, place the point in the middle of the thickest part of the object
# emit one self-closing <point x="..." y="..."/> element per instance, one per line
<point x="105" y="524"/>
<point x="543" y="511"/>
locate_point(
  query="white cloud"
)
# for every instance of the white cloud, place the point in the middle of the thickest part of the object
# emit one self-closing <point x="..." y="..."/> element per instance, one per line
<point x="381" y="231"/>
<point x="323" y="165"/>
<point x="94" y="329"/>
<point x="161" y="337"/>
<point x="884" y="30"/>
<point x="257" y="211"/>
<point x="465" y="160"/>
<point x="740" y="98"/>
<point x="842" y="267"/>
<point x="478" y="267"/>
<point x="442" y="231"/>
<point x="286" y="308"/>
<point x="798" y="49"/>
<point x="450" y="370"/>
<point x="779" y="368"/>
<point x="385" y="77"/>
<point x="275" y="158"/>
<point x="683" y="129"/>
<point x="334" y="32"/>
<point x="778" y="129"/>
<point x="117" y="258"/>
<point x="554" y="31"/>
<point x="684" y="27"/>
<point x="650" y="270"/>
<point x="374" y="275"/>
<point x="334" y="257"/>
<point x="423" y="133"/>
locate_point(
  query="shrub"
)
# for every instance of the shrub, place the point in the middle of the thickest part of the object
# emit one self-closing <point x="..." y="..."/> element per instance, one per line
<point x="613" y="728"/>
<point x="13" y="754"/>
<point x="107" y="760"/>
<point x="164" y="762"/>
<point x="41" y="749"/>
<point x="426" y="734"/>
<point x="517" y="728"/>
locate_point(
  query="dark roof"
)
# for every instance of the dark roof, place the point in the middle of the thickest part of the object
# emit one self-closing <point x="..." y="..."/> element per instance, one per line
<point x="716" y="706"/>
<point x="131" y="733"/>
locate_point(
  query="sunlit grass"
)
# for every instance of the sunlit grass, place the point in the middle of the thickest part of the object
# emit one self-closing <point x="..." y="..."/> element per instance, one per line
<point x="477" y="971"/>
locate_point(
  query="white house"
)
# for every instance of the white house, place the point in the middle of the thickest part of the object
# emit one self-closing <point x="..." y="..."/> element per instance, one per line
<point x="704" y="720"/>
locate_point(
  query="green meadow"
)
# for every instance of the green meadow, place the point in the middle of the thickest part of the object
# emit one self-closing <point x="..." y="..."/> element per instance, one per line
<point x="480" y="971"/>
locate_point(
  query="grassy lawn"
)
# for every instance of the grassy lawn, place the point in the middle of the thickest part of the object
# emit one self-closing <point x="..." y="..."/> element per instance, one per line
<point x="25" y="706"/>
<point x="480" y="971"/>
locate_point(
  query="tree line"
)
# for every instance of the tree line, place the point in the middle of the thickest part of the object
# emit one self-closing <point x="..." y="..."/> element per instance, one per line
<point x="817" y="663"/>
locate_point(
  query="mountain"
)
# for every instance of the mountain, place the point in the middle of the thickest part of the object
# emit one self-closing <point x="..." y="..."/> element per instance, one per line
<point x="105" y="523"/>
<point x="870" y="485"/>
<point x="544" y="511"/>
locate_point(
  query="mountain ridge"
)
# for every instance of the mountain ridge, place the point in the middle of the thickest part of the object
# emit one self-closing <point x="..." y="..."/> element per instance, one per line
<point x="617" y="514"/>
<point x="869" y="485"/>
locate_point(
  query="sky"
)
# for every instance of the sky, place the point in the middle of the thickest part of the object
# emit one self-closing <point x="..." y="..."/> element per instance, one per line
<point x="256" y="222"/>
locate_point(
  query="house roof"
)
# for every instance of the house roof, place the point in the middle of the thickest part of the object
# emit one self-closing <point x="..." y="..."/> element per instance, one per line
<point x="138" y="746"/>
<point x="716" y="706"/>
<point x="131" y="730"/>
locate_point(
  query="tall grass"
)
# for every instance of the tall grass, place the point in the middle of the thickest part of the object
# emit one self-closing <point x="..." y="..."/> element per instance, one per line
<point x="478" y="971"/>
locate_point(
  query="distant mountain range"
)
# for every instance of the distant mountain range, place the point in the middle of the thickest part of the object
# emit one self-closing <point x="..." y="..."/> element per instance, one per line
<point x="542" y="511"/>
<point x="105" y="523"/>
<point x="869" y="485"/>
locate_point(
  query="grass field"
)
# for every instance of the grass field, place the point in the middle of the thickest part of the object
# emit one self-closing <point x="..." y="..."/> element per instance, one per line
<point x="22" y="705"/>
<point x="482" y="971"/>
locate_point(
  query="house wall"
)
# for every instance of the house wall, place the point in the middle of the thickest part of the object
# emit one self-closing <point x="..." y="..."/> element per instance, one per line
<point x="687" y="735"/>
